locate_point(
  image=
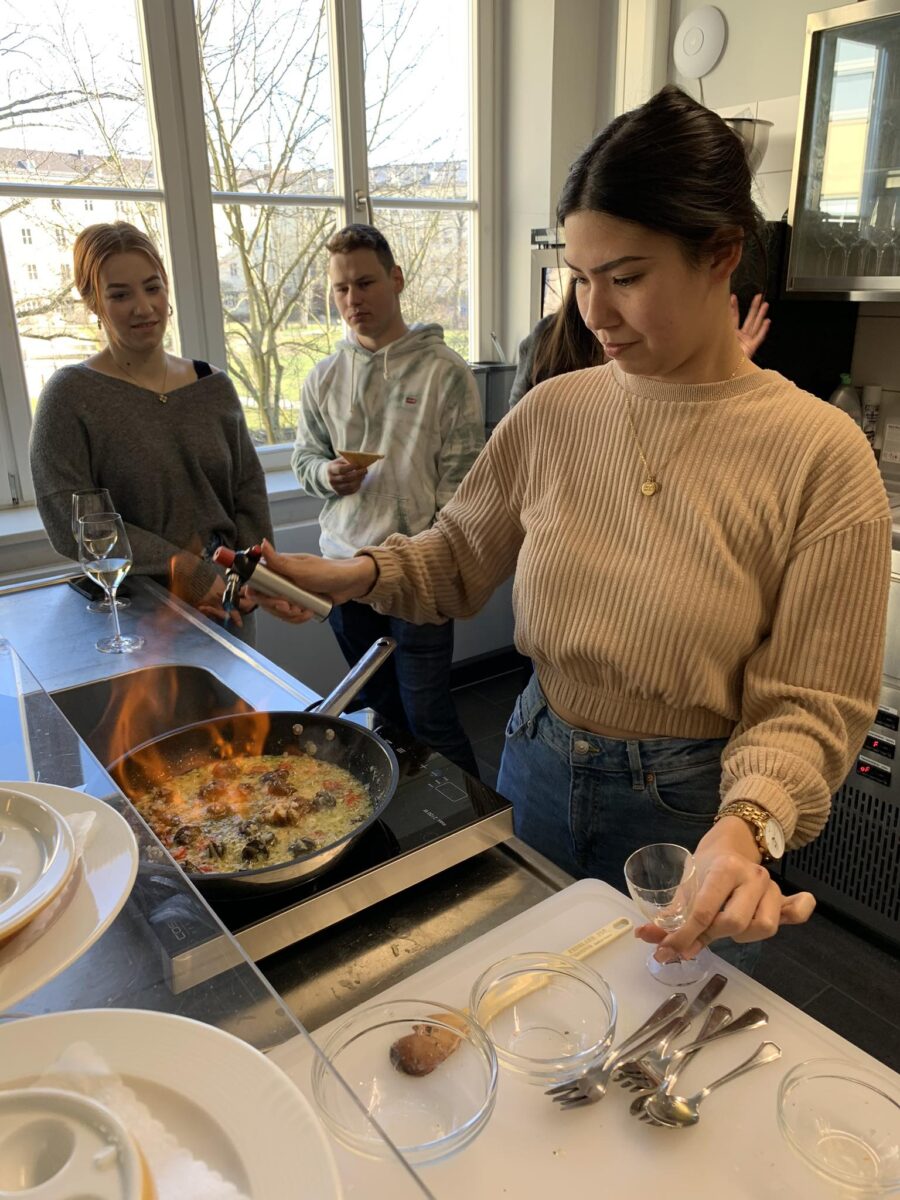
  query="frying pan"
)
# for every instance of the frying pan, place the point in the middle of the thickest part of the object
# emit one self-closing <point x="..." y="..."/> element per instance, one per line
<point x="321" y="733"/>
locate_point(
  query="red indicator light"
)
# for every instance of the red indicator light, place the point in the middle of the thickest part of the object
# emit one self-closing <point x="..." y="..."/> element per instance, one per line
<point x="864" y="768"/>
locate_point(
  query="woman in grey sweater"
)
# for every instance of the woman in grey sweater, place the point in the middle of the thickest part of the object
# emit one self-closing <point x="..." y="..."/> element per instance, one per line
<point x="165" y="435"/>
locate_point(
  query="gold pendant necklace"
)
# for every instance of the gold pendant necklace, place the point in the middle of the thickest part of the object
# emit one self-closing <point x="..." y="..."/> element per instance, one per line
<point x="650" y="486"/>
<point x="162" y="396"/>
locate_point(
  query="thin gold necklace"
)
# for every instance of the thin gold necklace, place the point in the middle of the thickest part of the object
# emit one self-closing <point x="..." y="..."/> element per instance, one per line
<point x="162" y="396"/>
<point x="651" y="485"/>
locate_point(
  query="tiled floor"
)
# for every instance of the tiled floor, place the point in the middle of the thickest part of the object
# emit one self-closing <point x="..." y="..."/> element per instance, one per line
<point x="827" y="967"/>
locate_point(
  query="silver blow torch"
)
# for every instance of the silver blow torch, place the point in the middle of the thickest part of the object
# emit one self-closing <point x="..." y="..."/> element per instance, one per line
<point x="244" y="566"/>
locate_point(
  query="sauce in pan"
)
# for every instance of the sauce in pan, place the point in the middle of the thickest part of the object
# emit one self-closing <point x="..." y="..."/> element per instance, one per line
<point x="254" y="811"/>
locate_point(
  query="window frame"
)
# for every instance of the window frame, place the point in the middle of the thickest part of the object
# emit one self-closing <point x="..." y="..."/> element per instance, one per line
<point x="174" y="100"/>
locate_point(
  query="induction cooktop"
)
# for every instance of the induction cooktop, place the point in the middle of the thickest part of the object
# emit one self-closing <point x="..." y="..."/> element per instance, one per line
<point x="439" y="816"/>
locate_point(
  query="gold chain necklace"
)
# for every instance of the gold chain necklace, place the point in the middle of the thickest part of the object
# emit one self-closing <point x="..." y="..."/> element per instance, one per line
<point x="651" y="485"/>
<point x="162" y="396"/>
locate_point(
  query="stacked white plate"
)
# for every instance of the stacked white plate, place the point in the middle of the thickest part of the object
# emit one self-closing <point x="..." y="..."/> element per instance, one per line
<point x="38" y="866"/>
<point x="37" y="856"/>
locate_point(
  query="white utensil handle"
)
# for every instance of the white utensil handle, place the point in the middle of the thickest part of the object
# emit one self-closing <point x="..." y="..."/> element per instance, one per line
<point x="581" y="950"/>
<point x="599" y="938"/>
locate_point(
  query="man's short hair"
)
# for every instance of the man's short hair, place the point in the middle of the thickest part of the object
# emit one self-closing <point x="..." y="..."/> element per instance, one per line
<point x="362" y="237"/>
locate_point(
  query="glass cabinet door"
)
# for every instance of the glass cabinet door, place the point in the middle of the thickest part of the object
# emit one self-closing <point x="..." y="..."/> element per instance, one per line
<point x="845" y="211"/>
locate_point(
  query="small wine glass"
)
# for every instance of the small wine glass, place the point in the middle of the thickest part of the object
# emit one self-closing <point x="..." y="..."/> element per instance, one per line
<point x="662" y="880"/>
<point x="84" y="503"/>
<point x="823" y="236"/>
<point x="881" y="232"/>
<point x="105" y="555"/>
<point x="847" y="235"/>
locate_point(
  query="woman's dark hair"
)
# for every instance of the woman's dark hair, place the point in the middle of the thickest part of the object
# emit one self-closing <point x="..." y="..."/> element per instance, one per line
<point x="672" y="166"/>
<point x="566" y="344"/>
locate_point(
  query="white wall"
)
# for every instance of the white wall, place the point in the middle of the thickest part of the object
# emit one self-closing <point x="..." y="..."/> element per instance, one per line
<point x="763" y="56"/>
<point x="556" y="91"/>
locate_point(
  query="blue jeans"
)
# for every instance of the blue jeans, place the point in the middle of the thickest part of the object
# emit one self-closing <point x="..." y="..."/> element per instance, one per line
<point x="412" y="689"/>
<point x="587" y="802"/>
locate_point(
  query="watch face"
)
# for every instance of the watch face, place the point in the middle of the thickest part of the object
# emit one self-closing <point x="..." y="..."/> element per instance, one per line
<point x="774" y="838"/>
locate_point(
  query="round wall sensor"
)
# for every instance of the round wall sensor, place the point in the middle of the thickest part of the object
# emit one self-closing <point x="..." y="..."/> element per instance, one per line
<point x="699" y="42"/>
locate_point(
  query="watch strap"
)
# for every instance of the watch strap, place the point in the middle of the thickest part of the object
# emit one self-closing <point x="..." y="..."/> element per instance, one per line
<point x="757" y="818"/>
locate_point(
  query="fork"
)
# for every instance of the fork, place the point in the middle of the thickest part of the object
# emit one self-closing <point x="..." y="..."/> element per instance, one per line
<point x="592" y="1084"/>
<point x="646" y="1071"/>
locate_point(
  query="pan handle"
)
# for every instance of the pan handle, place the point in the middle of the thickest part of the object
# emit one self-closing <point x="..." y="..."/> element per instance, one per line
<point x="338" y="699"/>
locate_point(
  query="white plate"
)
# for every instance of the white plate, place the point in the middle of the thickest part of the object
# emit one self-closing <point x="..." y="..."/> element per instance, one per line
<point x="223" y="1100"/>
<point x="67" y="1145"/>
<point x="37" y="854"/>
<point x="100" y="886"/>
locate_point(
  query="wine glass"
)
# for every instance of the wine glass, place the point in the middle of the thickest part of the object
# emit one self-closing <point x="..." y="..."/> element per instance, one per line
<point x="823" y="236"/>
<point x="847" y="234"/>
<point x="105" y="556"/>
<point x="662" y="880"/>
<point x="84" y="503"/>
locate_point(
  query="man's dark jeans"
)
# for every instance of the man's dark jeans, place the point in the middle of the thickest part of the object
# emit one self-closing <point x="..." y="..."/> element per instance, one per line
<point x="412" y="689"/>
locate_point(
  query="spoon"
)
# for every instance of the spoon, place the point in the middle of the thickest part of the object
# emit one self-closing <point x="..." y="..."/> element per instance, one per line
<point x="717" y="1018"/>
<point x="673" y="1112"/>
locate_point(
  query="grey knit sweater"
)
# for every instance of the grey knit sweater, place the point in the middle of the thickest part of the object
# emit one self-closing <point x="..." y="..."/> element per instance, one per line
<point x="184" y="475"/>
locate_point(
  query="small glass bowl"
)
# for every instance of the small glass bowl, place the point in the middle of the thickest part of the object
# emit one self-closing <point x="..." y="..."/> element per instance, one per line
<point x="426" y="1117"/>
<point x="843" y="1121"/>
<point x="548" y="1015"/>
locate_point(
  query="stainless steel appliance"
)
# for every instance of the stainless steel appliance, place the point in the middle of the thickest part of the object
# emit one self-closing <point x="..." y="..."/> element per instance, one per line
<point x="854" y="864"/>
<point x="549" y="274"/>
<point x="437" y="818"/>
<point x="845" y="203"/>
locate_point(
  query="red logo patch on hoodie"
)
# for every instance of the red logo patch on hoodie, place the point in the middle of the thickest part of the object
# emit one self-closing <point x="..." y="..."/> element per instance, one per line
<point x="411" y="400"/>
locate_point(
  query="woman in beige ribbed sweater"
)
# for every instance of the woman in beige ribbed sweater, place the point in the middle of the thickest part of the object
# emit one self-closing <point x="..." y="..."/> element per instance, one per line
<point x="701" y="551"/>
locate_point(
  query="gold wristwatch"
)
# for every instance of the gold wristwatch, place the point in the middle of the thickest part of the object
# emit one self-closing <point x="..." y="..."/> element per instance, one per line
<point x="767" y="831"/>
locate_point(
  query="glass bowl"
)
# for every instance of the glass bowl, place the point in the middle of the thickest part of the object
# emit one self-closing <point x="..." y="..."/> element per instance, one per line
<point x="548" y="1015"/>
<point x="843" y="1120"/>
<point x="426" y="1116"/>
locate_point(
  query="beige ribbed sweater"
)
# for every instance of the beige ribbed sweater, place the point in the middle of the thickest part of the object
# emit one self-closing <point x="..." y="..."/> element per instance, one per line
<point x="746" y="599"/>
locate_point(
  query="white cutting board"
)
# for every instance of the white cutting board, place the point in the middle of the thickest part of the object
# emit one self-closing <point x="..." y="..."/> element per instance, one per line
<point x="530" y="1148"/>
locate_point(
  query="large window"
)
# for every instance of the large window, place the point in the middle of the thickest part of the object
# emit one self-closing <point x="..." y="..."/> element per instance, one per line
<point x="239" y="134"/>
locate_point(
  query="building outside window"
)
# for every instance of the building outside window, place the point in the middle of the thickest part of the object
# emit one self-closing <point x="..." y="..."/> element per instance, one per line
<point x="311" y="115"/>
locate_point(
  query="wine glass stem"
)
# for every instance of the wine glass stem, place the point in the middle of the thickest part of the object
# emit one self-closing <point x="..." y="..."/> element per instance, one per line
<point x="111" y="592"/>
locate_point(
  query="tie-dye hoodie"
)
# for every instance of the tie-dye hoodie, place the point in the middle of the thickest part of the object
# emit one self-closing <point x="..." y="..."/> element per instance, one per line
<point x="416" y="402"/>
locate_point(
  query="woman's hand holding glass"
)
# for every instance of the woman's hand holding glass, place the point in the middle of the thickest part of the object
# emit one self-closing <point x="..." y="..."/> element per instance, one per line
<point x="85" y="504"/>
<point x="662" y="880"/>
<point x="105" y="555"/>
<point x="736" y="896"/>
<point x="339" y="579"/>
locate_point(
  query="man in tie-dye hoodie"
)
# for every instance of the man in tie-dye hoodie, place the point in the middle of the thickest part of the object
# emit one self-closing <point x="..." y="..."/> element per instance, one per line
<point x="398" y="392"/>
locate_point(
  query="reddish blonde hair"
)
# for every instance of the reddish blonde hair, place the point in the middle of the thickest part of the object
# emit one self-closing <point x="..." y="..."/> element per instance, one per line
<point x="95" y="244"/>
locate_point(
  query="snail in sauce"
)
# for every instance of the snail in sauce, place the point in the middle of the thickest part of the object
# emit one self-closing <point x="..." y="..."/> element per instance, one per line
<point x="254" y="810"/>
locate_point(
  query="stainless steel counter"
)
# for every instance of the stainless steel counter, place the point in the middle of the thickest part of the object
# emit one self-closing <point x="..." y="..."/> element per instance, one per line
<point x="47" y="641"/>
<point x="49" y="651"/>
